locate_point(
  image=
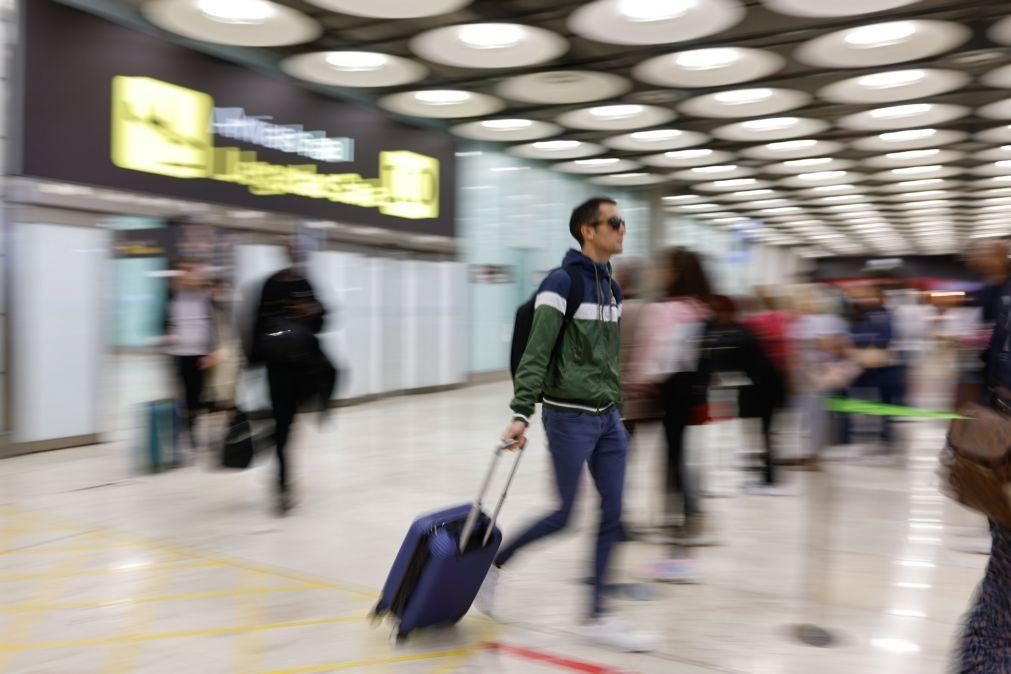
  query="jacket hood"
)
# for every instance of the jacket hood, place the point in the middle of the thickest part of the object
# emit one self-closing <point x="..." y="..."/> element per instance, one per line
<point x="576" y="257"/>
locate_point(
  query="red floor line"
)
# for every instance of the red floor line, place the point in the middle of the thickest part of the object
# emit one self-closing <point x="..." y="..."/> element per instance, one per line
<point x="547" y="658"/>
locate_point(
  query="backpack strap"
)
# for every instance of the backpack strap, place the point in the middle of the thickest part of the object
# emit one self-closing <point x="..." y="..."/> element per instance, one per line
<point x="577" y="290"/>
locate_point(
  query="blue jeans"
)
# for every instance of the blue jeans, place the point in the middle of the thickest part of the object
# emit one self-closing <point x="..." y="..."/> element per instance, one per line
<point x="575" y="439"/>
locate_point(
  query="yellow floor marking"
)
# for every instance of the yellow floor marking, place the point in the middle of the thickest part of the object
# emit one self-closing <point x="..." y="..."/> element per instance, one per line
<point x="160" y="598"/>
<point x="41" y="575"/>
<point x="490" y="633"/>
<point x="123" y="657"/>
<point x="370" y="662"/>
<point x="249" y="646"/>
<point x="46" y="548"/>
<point x="209" y="632"/>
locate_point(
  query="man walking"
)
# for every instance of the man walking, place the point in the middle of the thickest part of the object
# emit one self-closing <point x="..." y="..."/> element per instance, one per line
<point x="573" y="367"/>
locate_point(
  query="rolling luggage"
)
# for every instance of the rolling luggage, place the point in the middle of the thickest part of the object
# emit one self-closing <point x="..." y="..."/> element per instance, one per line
<point x="442" y="562"/>
<point x="159" y="445"/>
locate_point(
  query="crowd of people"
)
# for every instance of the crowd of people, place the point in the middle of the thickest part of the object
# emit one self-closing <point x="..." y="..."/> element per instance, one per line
<point x="612" y="349"/>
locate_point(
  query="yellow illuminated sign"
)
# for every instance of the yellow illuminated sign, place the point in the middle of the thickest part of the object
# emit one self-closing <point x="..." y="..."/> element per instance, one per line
<point x="165" y="129"/>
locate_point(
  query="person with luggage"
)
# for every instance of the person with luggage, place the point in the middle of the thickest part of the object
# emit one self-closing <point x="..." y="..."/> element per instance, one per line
<point x="284" y="338"/>
<point x="570" y="362"/>
<point x="190" y="338"/>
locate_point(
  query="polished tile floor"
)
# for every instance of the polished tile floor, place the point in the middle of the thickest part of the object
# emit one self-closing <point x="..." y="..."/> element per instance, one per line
<point x="103" y="569"/>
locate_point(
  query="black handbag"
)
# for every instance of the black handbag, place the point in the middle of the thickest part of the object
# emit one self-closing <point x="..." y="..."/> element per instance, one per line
<point x="240" y="443"/>
<point x="287" y="341"/>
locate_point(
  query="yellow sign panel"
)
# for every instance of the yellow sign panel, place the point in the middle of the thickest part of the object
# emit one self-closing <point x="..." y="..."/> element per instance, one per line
<point x="166" y="129"/>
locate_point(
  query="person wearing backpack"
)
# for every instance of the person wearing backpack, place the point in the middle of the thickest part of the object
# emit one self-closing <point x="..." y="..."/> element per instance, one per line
<point x="570" y="362"/>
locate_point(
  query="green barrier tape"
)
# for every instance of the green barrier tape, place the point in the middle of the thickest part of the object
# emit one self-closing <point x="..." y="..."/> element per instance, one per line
<point x="851" y="406"/>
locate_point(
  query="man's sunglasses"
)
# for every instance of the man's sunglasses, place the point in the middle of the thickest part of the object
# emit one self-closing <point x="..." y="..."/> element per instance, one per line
<point x="615" y="222"/>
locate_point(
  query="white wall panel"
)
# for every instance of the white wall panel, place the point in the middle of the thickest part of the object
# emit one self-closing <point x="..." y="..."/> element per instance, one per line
<point x="59" y="329"/>
<point x="393" y="326"/>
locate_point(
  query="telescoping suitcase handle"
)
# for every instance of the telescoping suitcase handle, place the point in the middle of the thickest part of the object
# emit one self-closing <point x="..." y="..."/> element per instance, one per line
<point x="475" y="511"/>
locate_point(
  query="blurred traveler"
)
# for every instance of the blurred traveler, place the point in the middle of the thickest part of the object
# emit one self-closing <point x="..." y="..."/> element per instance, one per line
<point x="573" y="368"/>
<point x="871" y="332"/>
<point x="737" y="348"/>
<point x="190" y="337"/>
<point x="988" y="259"/>
<point x="820" y="339"/>
<point x="284" y="337"/>
<point x="639" y="406"/>
<point x="668" y="363"/>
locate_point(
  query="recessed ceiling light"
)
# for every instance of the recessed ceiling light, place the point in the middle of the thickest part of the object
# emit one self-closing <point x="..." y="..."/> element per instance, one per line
<point x="919" y="183"/>
<point x="687" y="154"/>
<point x="707" y="59"/>
<point x="230" y="11"/>
<point x="737" y="182"/>
<point x="752" y="193"/>
<point x="616" y="111"/>
<point x="817" y="161"/>
<point x="784" y="209"/>
<point x="880" y="34"/>
<point x="491" y="35"/>
<point x="843" y="197"/>
<point x="770" y="124"/>
<point x="442" y="97"/>
<point x="822" y="175"/>
<point x="727" y="168"/>
<point x="656" y="134"/>
<point x="597" y="162"/>
<point x="356" y="61"/>
<point x="765" y="203"/>
<point x="912" y="154"/>
<point x="833" y="188"/>
<point x="1005" y="163"/>
<point x="507" y="124"/>
<point x="897" y="111"/>
<point x="553" y="145"/>
<point x="682" y="197"/>
<point x="629" y="175"/>
<point x="909" y="134"/>
<point x="790" y="145"/>
<point x="743" y="96"/>
<point x="912" y="170"/>
<point x="642" y="11"/>
<point x="896" y="78"/>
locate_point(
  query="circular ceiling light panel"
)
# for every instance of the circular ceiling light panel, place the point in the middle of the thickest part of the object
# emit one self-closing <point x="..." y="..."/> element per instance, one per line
<point x="354" y="69"/>
<point x="996" y="110"/>
<point x="793" y="149"/>
<point x="797" y="166"/>
<point x="489" y="45"/>
<point x="556" y="149"/>
<point x="506" y="130"/>
<point x="688" y="158"/>
<point x="392" y="9"/>
<point x="1000" y="32"/>
<point x="831" y="190"/>
<point x="630" y="179"/>
<point x="641" y="22"/>
<point x="745" y="103"/>
<point x="894" y="85"/>
<point x="904" y="116"/>
<point x="563" y="87"/>
<point x="594" y="166"/>
<point x="820" y="178"/>
<point x="922" y="184"/>
<point x="770" y="128"/>
<point x="992" y="183"/>
<point x="733" y="185"/>
<point x="909" y="139"/>
<point x="656" y="140"/>
<point x="618" y="117"/>
<point x="918" y="173"/>
<point x="711" y="67"/>
<point x="882" y="44"/>
<point x="713" y="172"/>
<point x="914" y="158"/>
<point x="441" y="103"/>
<point x="253" y="23"/>
<point x="999" y="134"/>
<point x="997" y="168"/>
<point x="999" y="78"/>
<point x="994" y="154"/>
<point x="815" y="8"/>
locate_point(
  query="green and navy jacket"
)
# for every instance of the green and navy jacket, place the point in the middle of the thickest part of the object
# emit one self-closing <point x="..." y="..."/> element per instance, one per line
<point x="582" y="374"/>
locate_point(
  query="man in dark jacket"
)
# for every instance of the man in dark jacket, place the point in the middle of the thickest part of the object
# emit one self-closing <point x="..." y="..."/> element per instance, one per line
<point x="284" y="338"/>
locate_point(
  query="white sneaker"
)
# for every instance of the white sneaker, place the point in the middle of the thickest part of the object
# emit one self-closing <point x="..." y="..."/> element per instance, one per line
<point x="617" y="633"/>
<point x="485" y="600"/>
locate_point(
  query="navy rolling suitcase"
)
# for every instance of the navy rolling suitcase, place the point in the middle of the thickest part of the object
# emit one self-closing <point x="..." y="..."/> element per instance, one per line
<point x="442" y="563"/>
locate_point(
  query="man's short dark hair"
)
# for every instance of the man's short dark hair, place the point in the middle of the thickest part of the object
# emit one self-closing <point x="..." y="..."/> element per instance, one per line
<point x="586" y="213"/>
